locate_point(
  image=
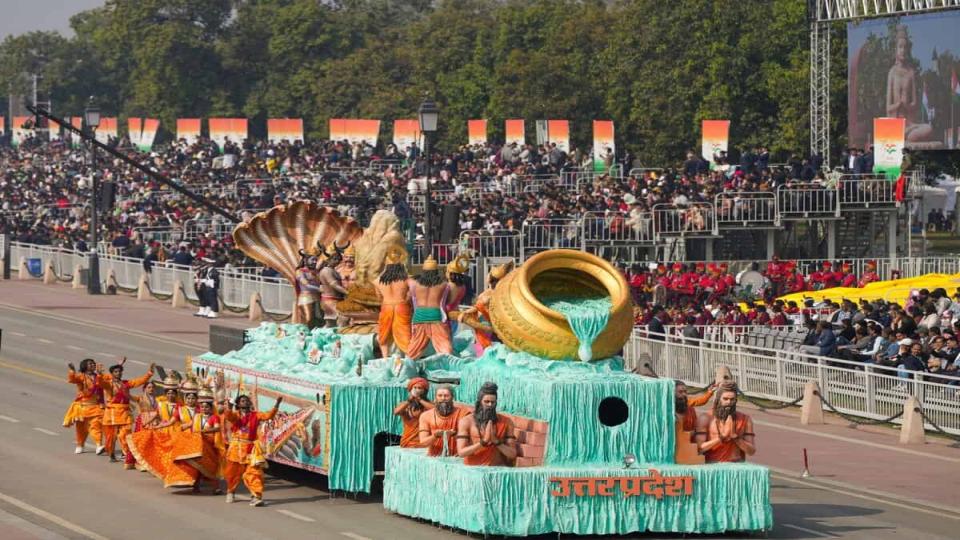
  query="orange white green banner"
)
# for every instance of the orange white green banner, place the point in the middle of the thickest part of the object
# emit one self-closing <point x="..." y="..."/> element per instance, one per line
<point x="77" y="122"/>
<point x="716" y="138"/>
<point x="54" y="130"/>
<point x="188" y="129"/>
<point x="284" y="129"/>
<point x="227" y="129"/>
<point x="476" y="132"/>
<point x="18" y="133"/>
<point x="355" y="130"/>
<point x="3" y="126"/>
<point x="558" y="131"/>
<point x="888" y="141"/>
<point x="406" y="133"/>
<point x="107" y="129"/>
<point x="142" y="132"/>
<point x="515" y="132"/>
<point x="603" y="144"/>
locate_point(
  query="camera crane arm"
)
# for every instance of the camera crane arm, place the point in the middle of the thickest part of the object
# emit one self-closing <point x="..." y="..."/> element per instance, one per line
<point x="37" y="111"/>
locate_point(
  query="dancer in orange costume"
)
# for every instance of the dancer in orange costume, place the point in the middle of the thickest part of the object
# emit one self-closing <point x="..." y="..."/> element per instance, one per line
<point x="485" y="437"/>
<point x="183" y="446"/>
<point x="206" y="429"/>
<point x="152" y="447"/>
<point x="245" y="458"/>
<point x="410" y="410"/>
<point x="86" y="411"/>
<point x="146" y="415"/>
<point x="116" y="418"/>
<point x="482" y="305"/>
<point x="396" y="313"/>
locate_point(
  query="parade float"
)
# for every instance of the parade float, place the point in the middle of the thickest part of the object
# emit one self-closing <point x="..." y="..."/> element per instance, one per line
<point x="599" y="450"/>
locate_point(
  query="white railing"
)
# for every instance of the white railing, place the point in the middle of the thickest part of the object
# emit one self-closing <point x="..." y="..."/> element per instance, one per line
<point x="747" y="210"/>
<point x="853" y="388"/>
<point x="541" y="235"/>
<point x="617" y="228"/>
<point x="806" y="201"/>
<point x="866" y="191"/>
<point x="692" y="220"/>
<point x="500" y="244"/>
<point x="442" y="253"/>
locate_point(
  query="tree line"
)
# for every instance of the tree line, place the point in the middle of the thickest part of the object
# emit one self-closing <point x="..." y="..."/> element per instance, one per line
<point x="655" y="68"/>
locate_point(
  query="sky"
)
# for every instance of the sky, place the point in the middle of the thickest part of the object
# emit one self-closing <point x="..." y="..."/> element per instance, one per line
<point x="21" y="16"/>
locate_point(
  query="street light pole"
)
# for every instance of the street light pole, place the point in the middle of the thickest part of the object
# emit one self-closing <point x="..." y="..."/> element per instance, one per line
<point x="429" y="114"/>
<point x="91" y="117"/>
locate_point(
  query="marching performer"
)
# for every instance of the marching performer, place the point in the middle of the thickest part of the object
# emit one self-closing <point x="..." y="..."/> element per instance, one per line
<point x="245" y="458"/>
<point x="86" y="411"/>
<point x="146" y="415"/>
<point x="152" y="446"/>
<point x="116" y="417"/>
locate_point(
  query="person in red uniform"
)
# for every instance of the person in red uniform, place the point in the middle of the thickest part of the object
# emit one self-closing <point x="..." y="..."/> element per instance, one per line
<point x="778" y="318"/>
<point x="707" y="284"/>
<point x="795" y="282"/>
<point x="870" y="275"/>
<point x="847" y="278"/>
<point x="774" y="272"/>
<point x="823" y="278"/>
<point x="663" y="278"/>
<point x="762" y="318"/>
<point x="727" y="277"/>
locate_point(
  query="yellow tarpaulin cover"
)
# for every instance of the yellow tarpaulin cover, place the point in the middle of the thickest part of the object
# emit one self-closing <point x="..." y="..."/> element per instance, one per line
<point x="897" y="290"/>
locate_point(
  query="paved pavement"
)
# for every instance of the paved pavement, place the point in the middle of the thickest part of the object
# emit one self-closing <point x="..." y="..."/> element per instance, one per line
<point x="864" y="484"/>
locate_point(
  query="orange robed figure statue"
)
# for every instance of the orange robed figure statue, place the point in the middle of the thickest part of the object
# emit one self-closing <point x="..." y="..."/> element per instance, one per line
<point x="429" y="291"/>
<point x="245" y="456"/>
<point x="485" y="437"/>
<point x="393" y="325"/>
<point x="482" y="306"/>
<point x="410" y="410"/>
<point x="685" y="404"/>
<point x="438" y="426"/>
<point x="86" y="411"/>
<point x="117" y="422"/>
<point x="723" y="434"/>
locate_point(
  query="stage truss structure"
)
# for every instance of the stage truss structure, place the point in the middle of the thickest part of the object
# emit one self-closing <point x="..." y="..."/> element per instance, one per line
<point x="822" y="14"/>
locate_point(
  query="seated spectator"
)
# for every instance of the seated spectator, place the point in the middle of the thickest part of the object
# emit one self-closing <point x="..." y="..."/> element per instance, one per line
<point x="910" y="362"/>
<point x="826" y="343"/>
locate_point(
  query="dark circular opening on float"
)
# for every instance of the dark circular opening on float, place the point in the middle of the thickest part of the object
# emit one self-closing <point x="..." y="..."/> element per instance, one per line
<point x="613" y="411"/>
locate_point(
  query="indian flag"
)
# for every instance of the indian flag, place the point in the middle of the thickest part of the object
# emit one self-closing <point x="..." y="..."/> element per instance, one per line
<point x="515" y="132"/>
<point x="3" y="126"/>
<point x="188" y="129"/>
<point x="602" y="142"/>
<point x="716" y="139"/>
<point x="355" y="130"/>
<point x="888" y="141"/>
<point x="558" y="131"/>
<point x="406" y="133"/>
<point x="107" y="129"/>
<point x="142" y="132"/>
<point x="224" y="129"/>
<point x="75" y="140"/>
<point x="18" y="133"/>
<point x="476" y="132"/>
<point x="288" y="129"/>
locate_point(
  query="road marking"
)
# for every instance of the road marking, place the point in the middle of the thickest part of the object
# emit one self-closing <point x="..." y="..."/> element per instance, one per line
<point x="855" y="491"/>
<point x="9" y="419"/>
<point x="32" y="372"/>
<point x="138" y="362"/>
<point x="859" y="442"/>
<point x="46" y="431"/>
<point x="74" y="347"/>
<point x="43" y="340"/>
<point x="295" y="515"/>
<point x="355" y="536"/>
<point x="104" y="354"/>
<point x="51" y="518"/>
<point x="19" y="334"/>
<point x="809" y="531"/>
<point x="35" y="531"/>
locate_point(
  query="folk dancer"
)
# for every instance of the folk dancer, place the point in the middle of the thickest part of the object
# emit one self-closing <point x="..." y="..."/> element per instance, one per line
<point x="207" y="428"/>
<point x="725" y="435"/>
<point x="393" y="324"/>
<point x="146" y="405"/>
<point x="152" y="447"/>
<point x="331" y="286"/>
<point x="86" y="411"/>
<point x="410" y="411"/>
<point x="183" y="447"/>
<point x="429" y="291"/>
<point x="117" y="422"/>
<point x="438" y="426"/>
<point x="245" y="457"/>
<point x="485" y="437"/>
<point x="307" y="289"/>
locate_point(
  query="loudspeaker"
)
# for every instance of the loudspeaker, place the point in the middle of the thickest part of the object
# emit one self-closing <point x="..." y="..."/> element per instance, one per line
<point x="450" y="224"/>
<point x="108" y="196"/>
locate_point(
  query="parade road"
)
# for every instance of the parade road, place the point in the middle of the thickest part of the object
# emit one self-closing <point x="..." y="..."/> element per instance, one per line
<point x="48" y="492"/>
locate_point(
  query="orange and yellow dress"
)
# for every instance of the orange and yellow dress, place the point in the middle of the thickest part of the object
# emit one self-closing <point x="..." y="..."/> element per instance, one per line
<point x="117" y="422"/>
<point x="186" y="444"/>
<point x="245" y="457"/>
<point x="86" y="411"/>
<point x="153" y="447"/>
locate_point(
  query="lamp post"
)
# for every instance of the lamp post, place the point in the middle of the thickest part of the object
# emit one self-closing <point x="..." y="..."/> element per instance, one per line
<point x="429" y="114"/>
<point x="91" y="120"/>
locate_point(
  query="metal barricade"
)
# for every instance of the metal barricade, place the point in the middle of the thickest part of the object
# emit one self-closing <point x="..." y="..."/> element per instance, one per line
<point x="807" y="201"/>
<point x="618" y="236"/>
<point x="867" y="191"/>
<point x="696" y="220"/>
<point x="498" y="244"/>
<point x="541" y="235"/>
<point x="442" y="253"/>
<point x="747" y="210"/>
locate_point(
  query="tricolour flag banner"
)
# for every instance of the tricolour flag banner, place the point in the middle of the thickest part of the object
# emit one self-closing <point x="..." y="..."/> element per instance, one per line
<point x="284" y="129"/>
<point x="602" y="143"/>
<point x="477" y="132"/>
<point x="716" y="138"/>
<point x="142" y="132"/>
<point x="406" y="133"/>
<point x="54" y="129"/>
<point x="107" y="129"/>
<point x="224" y="129"/>
<point x="18" y="133"/>
<point x="3" y="126"/>
<point x="558" y="131"/>
<point x="355" y="130"/>
<point x="188" y="129"/>
<point x="134" y="130"/>
<point x="515" y="132"/>
<point x="75" y="140"/>
<point x="888" y="140"/>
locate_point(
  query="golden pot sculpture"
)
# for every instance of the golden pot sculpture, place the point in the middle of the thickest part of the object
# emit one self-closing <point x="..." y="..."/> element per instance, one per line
<point x="523" y="323"/>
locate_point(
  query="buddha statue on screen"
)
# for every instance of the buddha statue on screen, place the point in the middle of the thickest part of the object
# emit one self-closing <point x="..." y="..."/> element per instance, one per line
<point x="902" y="92"/>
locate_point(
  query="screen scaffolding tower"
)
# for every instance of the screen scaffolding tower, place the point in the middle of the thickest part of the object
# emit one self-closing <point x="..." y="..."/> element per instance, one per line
<point x="822" y="14"/>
